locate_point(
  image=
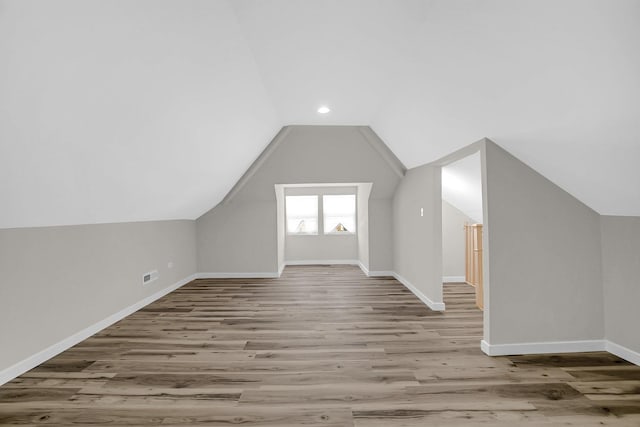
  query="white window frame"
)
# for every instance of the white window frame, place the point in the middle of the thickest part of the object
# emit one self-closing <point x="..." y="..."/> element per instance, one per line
<point x="318" y="211"/>
<point x="355" y="216"/>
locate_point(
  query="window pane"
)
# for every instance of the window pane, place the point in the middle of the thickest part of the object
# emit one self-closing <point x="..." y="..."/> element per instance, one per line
<point x="302" y="214"/>
<point x="339" y="213"/>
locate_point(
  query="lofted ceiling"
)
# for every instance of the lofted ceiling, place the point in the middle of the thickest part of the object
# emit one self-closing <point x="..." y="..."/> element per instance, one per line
<point x="152" y="109"/>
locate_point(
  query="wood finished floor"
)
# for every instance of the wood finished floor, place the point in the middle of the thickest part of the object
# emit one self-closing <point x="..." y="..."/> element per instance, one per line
<point x="321" y="346"/>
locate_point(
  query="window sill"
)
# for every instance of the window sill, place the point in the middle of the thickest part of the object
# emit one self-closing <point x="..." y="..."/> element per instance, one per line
<point x="341" y="233"/>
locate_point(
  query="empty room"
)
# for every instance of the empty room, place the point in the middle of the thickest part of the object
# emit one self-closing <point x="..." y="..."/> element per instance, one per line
<point x="320" y="213"/>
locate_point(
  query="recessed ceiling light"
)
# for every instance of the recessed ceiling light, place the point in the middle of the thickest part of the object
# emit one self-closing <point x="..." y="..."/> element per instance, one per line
<point x="324" y="109"/>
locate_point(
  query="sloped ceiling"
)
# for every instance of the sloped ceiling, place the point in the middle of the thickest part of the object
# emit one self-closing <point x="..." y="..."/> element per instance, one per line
<point x="115" y="111"/>
<point x="462" y="186"/>
<point x="144" y="110"/>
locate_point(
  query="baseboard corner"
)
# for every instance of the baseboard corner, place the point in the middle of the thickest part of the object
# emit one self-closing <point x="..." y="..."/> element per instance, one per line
<point x="485" y="347"/>
<point x="381" y="273"/>
<point x="623" y="352"/>
<point x="433" y="305"/>
<point x="364" y="269"/>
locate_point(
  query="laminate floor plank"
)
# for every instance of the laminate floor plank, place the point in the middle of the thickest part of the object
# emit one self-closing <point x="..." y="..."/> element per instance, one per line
<point x="320" y="346"/>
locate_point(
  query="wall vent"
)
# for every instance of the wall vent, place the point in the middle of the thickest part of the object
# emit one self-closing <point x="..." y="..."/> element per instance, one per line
<point x="149" y="277"/>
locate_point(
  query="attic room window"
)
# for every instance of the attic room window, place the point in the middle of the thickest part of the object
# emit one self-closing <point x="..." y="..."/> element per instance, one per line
<point x="339" y="212"/>
<point x="302" y="214"/>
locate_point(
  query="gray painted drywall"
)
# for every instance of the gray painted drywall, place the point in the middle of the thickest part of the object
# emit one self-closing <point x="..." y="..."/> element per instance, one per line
<point x="321" y="154"/>
<point x="544" y="278"/>
<point x="453" y="240"/>
<point x="321" y="247"/>
<point x="240" y="235"/>
<point x="57" y="281"/>
<point x="621" y="274"/>
<point x="417" y="240"/>
<point x="381" y="235"/>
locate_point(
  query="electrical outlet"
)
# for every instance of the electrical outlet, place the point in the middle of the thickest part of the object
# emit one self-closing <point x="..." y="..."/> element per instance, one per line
<point x="149" y="277"/>
<point x="170" y="264"/>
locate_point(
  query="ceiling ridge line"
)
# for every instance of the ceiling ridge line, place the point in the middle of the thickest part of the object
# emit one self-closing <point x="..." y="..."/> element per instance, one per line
<point x="257" y="163"/>
<point x="383" y="150"/>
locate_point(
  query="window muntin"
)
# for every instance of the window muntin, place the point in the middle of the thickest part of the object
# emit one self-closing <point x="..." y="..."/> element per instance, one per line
<point x="302" y="214"/>
<point x="339" y="213"/>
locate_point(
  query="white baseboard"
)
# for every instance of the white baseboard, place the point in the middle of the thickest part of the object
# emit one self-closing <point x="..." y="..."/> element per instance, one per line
<point x="323" y="262"/>
<point x="453" y="279"/>
<point x="435" y="306"/>
<point x="42" y="356"/>
<point x="381" y="273"/>
<point x="364" y="269"/>
<point x="623" y="352"/>
<point x="251" y="275"/>
<point x="281" y="269"/>
<point x="542" y="347"/>
<point x="561" y="347"/>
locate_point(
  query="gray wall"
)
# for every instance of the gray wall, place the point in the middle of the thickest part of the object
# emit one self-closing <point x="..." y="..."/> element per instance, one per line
<point x="321" y="247"/>
<point x="544" y="275"/>
<point x="57" y="281"/>
<point x="381" y="235"/>
<point x="621" y="273"/>
<point x="239" y="235"/>
<point x="417" y="240"/>
<point x="453" y="240"/>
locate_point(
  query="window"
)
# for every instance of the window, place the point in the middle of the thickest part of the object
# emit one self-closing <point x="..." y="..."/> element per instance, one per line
<point x="302" y="214"/>
<point x="339" y="214"/>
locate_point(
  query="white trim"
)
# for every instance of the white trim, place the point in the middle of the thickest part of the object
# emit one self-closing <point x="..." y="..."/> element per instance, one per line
<point x="542" y="347"/>
<point x="453" y="279"/>
<point x="623" y="352"/>
<point x="42" y="356"/>
<point x="561" y="347"/>
<point x="364" y="269"/>
<point x="251" y="275"/>
<point x="281" y="269"/>
<point x="381" y="273"/>
<point x="323" y="262"/>
<point x="322" y="184"/>
<point x="435" y="306"/>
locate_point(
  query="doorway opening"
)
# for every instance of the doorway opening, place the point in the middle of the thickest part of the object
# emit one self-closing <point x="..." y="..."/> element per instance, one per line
<point x="462" y="235"/>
